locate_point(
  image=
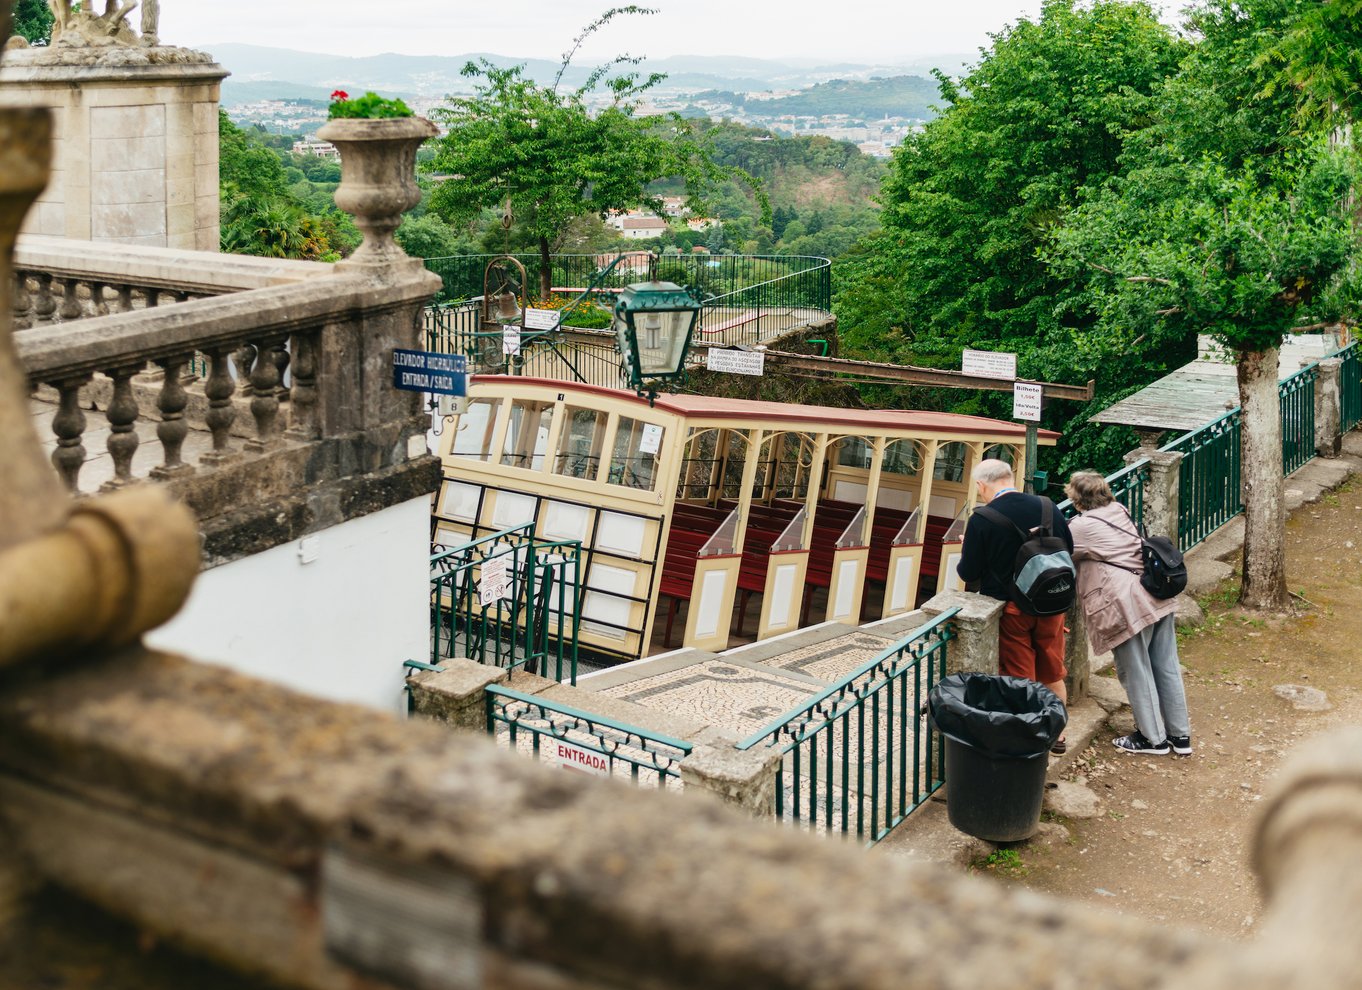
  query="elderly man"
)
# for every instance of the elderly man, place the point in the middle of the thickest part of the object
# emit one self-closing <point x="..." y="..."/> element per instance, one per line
<point x="1030" y="646"/>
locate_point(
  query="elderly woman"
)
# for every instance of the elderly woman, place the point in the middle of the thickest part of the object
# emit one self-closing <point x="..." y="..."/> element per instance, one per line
<point x="1124" y="618"/>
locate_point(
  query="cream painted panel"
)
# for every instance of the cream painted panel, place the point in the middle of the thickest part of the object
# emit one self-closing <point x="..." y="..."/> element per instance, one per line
<point x="894" y="498"/>
<point x="782" y="595"/>
<point x="949" y="578"/>
<point x="711" y="604"/>
<point x="846" y="588"/>
<point x="460" y="501"/>
<point x="903" y="573"/>
<point x="512" y="509"/>
<point x="849" y="491"/>
<point x="621" y="534"/>
<point x="564" y="521"/>
<point x="601" y="604"/>
<point x="942" y="505"/>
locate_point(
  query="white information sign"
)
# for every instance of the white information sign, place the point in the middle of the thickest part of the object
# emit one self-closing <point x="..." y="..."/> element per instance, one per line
<point x="989" y="364"/>
<point x="492" y="585"/>
<point x="651" y="440"/>
<point x="541" y="319"/>
<point x="1026" y="401"/>
<point x="510" y="339"/>
<point x="571" y="757"/>
<point x="736" y="362"/>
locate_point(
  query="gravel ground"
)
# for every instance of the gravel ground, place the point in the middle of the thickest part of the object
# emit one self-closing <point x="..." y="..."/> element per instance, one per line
<point x="1167" y="839"/>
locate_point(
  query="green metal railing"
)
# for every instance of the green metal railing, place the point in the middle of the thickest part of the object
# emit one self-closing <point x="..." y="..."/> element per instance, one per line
<point x="861" y="756"/>
<point x="1127" y="486"/>
<point x="1349" y="387"/>
<point x="745" y="298"/>
<point x="1209" y="492"/>
<point x="571" y="354"/>
<point x="1297" y="400"/>
<point x="509" y="600"/>
<point x="581" y="741"/>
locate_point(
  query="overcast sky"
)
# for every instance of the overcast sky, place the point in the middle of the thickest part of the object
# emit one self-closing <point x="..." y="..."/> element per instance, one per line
<point x="858" y="30"/>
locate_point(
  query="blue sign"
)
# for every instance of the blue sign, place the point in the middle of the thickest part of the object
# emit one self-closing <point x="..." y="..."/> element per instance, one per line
<point x="426" y="371"/>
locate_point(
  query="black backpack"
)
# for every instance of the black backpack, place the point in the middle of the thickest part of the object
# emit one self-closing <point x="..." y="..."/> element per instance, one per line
<point x="1164" y="574"/>
<point x="1043" y="575"/>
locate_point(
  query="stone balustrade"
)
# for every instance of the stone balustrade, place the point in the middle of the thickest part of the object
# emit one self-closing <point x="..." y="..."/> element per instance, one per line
<point x="60" y="281"/>
<point x="270" y="376"/>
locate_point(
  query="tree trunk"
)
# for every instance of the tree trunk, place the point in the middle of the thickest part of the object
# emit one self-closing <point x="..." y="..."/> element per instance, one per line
<point x="1264" y="584"/>
<point x="545" y="269"/>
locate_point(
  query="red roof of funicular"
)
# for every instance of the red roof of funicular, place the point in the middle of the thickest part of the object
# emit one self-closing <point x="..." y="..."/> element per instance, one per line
<point x="752" y="410"/>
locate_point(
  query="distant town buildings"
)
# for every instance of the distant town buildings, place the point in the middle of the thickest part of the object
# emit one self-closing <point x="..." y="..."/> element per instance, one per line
<point x="322" y="149"/>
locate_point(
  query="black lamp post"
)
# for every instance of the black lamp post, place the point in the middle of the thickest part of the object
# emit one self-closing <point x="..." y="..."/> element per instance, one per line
<point x="654" y="323"/>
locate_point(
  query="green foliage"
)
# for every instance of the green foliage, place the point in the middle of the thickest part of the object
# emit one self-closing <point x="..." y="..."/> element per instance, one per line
<point x="428" y="237"/>
<point x="1320" y="56"/>
<point x="33" y="21"/>
<point x="370" y="105"/>
<point x="972" y="200"/>
<point x="267" y="210"/>
<point x="546" y="160"/>
<point x="1183" y="248"/>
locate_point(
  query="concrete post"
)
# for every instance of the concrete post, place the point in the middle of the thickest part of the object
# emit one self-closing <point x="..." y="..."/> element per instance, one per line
<point x="1161" y="491"/>
<point x="1077" y="657"/>
<point x="744" y="779"/>
<point x="455" y="695"/>
<point x="975" y="646"/>
<point x="1328" y="408"/>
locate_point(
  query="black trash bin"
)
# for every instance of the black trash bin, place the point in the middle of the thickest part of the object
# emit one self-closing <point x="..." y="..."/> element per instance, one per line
<point x="998" y="731"/>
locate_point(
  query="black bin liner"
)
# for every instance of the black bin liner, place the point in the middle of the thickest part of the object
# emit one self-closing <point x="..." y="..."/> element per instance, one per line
<point x="998" y="731"/>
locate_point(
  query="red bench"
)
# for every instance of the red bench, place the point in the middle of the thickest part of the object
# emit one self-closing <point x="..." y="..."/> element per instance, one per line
<point x="692" y="526"/>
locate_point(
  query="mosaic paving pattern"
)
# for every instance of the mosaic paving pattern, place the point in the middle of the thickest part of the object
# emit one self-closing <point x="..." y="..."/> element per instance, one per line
<point x="737" y="698"/>
<point x="832" y="660"/>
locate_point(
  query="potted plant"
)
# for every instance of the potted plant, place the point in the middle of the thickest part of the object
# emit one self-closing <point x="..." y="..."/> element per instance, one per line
<point x="377" y="139"/>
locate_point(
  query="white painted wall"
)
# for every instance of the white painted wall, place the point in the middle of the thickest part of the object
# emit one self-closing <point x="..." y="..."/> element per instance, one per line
<point x="334" y="614"/>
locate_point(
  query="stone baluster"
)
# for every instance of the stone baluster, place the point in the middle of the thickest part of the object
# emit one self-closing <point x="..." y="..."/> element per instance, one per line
<point x="219" y="389"/>
<point x="69" y="425"/>
<point x="281" y="362"/>
<point x="98" y="307"/>
<point x="303" y="421"/>
<point x="264" y="403"/>
<point x="244" y="357"/>
<point x="172" y="429"/>
<point x="70" y="302"/>
<point x="44" y="303"/>
<point x="122" y="416"/>
<point x="124" y="298"/>
<point x="153" y="297"/>
<point x="23" y="302"/>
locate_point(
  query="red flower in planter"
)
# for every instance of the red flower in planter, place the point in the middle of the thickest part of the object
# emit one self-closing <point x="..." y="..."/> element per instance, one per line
<point x="340" y="94"/>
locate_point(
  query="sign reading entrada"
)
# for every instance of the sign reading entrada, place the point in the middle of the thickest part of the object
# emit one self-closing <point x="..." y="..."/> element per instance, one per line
<point x="426" y="371"/>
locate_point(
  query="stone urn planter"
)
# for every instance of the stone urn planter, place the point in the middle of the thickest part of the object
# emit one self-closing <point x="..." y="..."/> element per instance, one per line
<point x="378" y="178"/>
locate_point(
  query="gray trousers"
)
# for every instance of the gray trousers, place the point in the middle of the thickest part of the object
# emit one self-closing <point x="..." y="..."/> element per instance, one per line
<point x="1147" y="667"/>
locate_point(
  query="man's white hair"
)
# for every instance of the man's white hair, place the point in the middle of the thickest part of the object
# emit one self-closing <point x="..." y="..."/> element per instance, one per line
<point x="992" y="471"/>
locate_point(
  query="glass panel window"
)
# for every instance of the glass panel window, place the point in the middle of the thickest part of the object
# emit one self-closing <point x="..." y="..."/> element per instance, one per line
<point x="473" y="434"/>
<point x="579" y="446"/>
<point x="527" y="435"/>
<point x="633" y="462"/>
<point x="854" y="452"/>
<point x="950" y="462"/>
<point x="1002" y="452"/>
<point x="901" y="457"/>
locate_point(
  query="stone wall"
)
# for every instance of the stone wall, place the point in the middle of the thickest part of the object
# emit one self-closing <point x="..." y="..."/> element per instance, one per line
<point x="135" y="147"/>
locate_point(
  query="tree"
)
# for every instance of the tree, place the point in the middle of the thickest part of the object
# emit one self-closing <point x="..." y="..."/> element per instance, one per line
<point x="1180" y="248"/>
<point x="973" y="198"/>
<point x="33" y="21"/>
<point x="544" y="159"/>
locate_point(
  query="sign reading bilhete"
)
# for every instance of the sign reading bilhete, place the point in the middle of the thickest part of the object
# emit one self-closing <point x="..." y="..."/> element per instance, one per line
<point x="426" y="371"/>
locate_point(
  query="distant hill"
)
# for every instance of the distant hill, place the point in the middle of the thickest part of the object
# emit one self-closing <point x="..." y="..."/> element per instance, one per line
<point x="901" y="96"/>
<point x="280" y="72"/>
